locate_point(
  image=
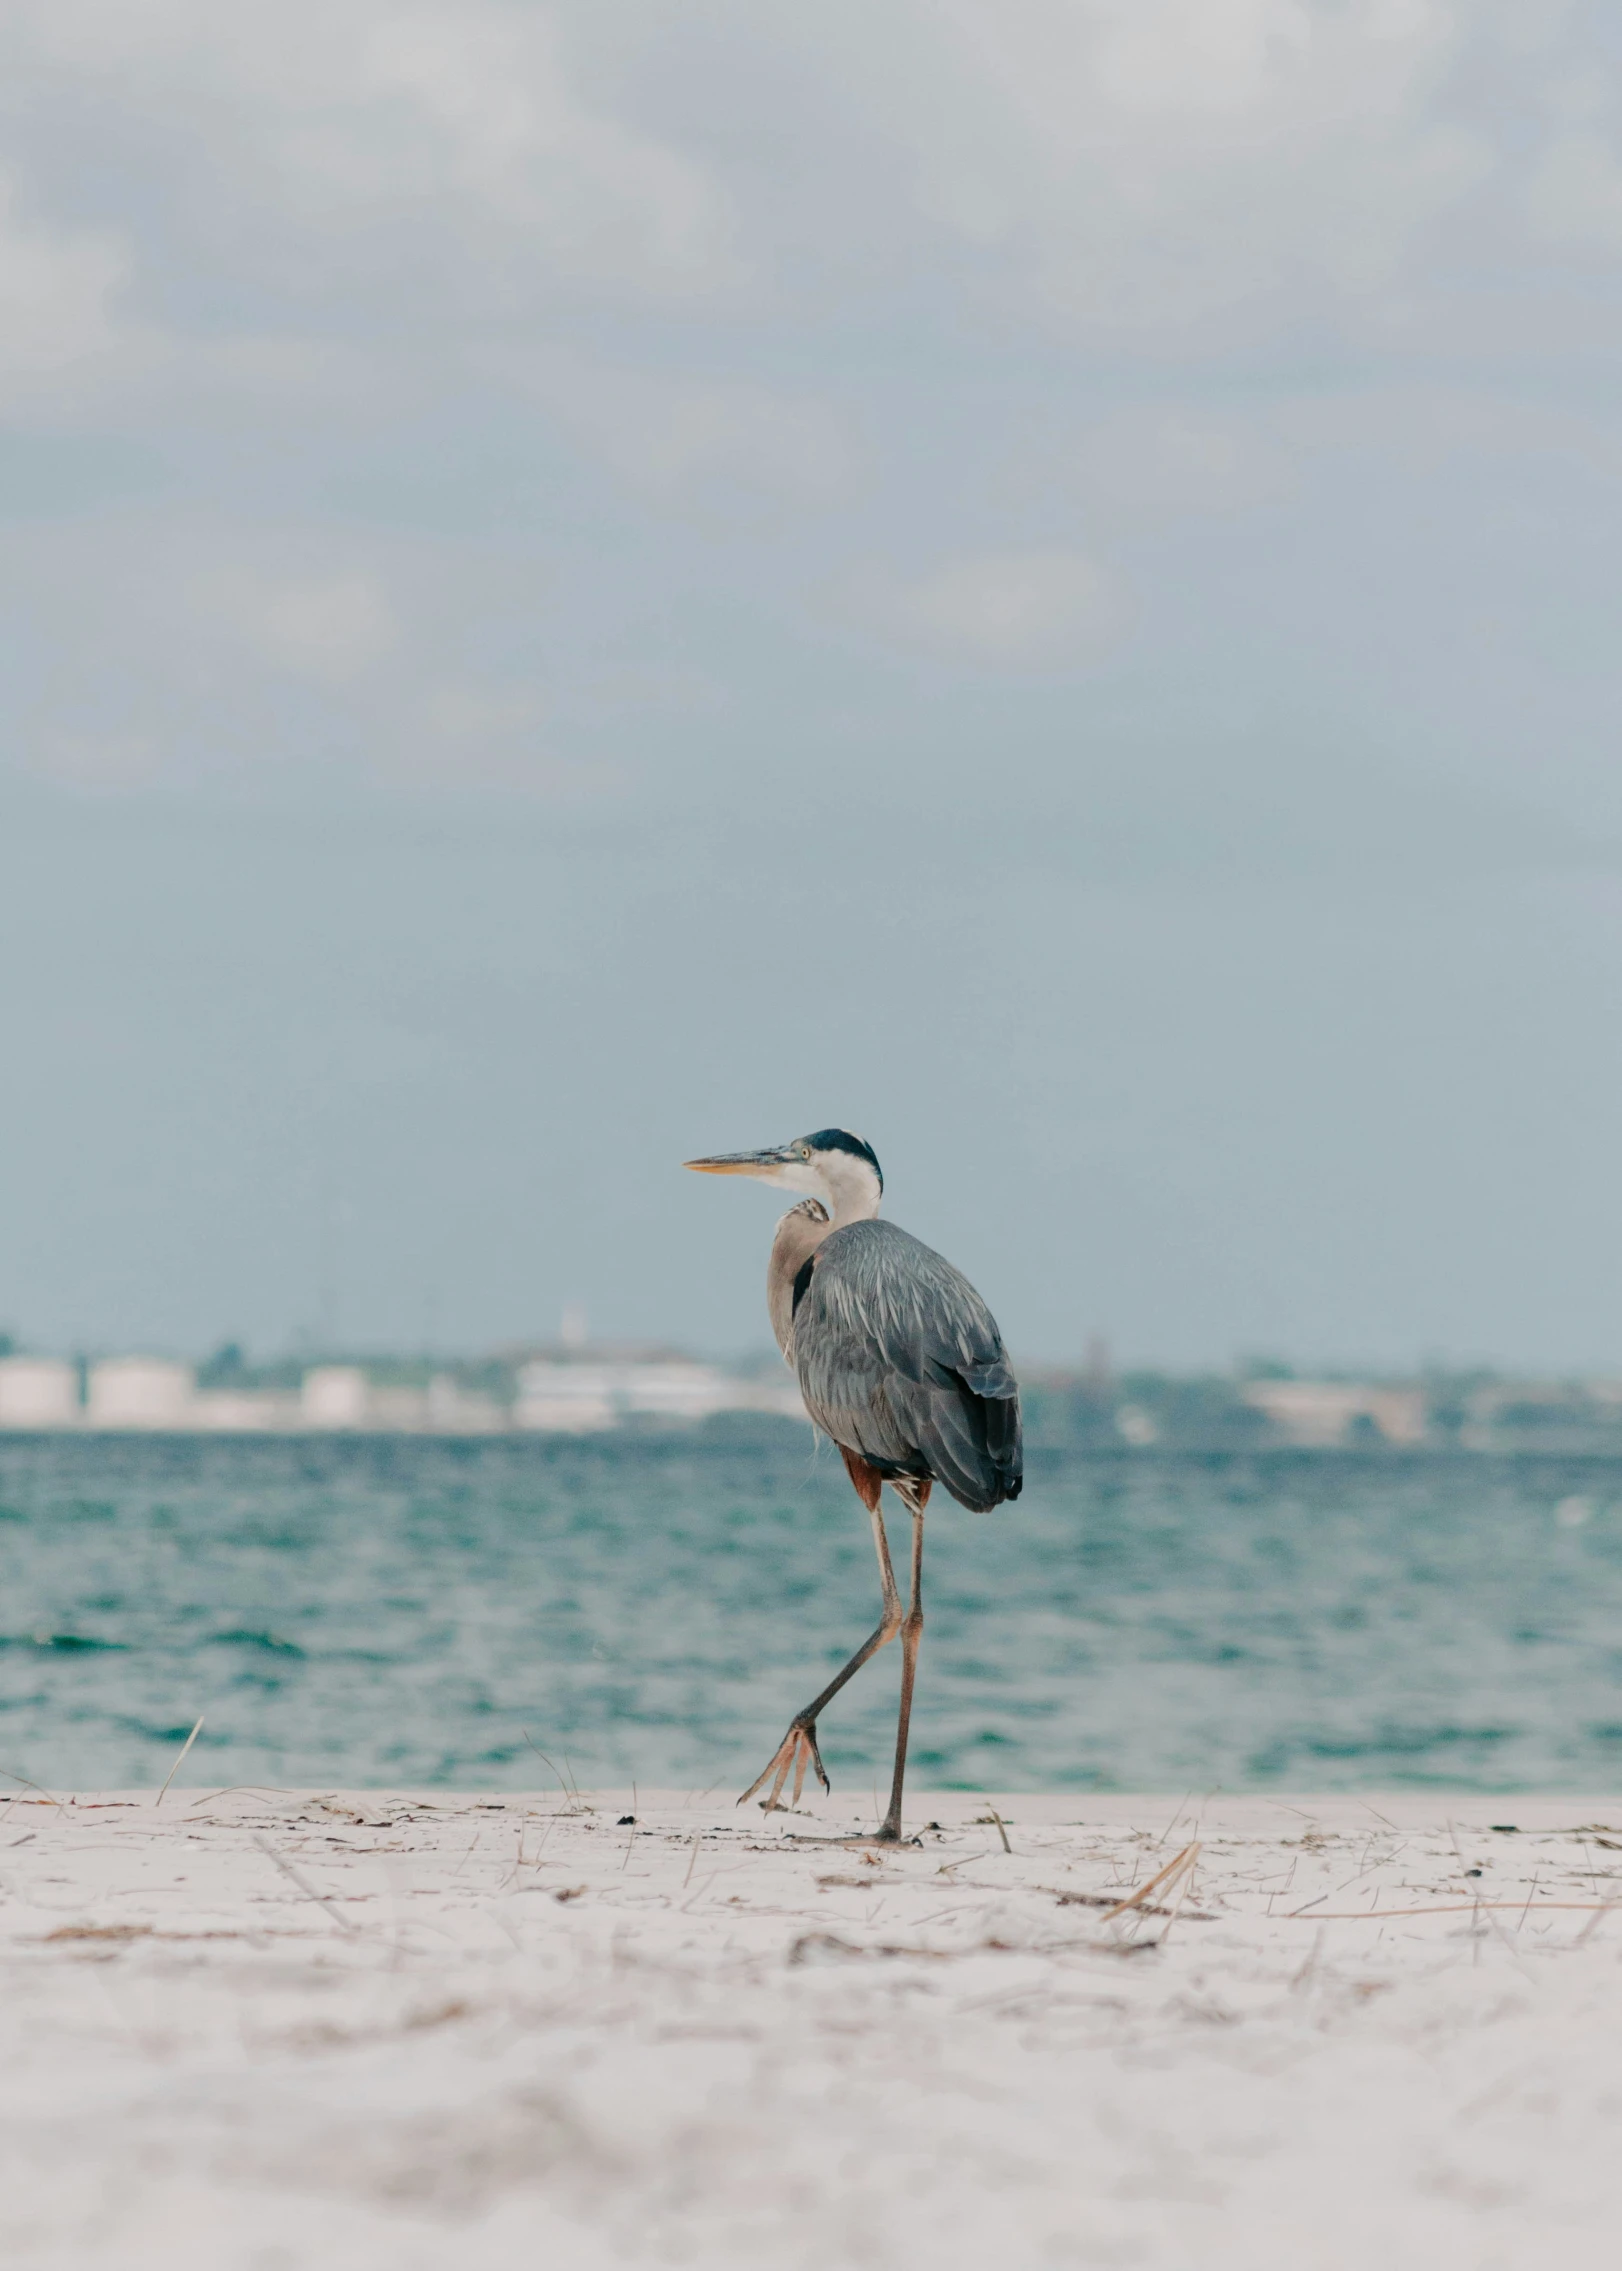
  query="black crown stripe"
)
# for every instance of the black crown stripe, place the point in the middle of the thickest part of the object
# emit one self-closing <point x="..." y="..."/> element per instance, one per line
<point x="841" y="1139"/>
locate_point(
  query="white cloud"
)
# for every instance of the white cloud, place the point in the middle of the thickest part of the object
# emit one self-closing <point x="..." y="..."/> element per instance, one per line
<point x="494" y="736"/>
<point x="838" y="257"/>
<point x="299" y="132"/>
<point x="477" y="713"/>
<point x="665" y="435"/>
<point x="451" y="171"/>
<point x="326" y="628"/>
<point x="105" y="761"/>
<point x="1013" y="610"/>
<point x="1150" y="166"/>
<point x="599" y="200"/>
<point x="1574" y="196"/>
<point x="165" y="649"/>
<point x="57" y="288"/>
<point x="1165" y="461"/>
<point x="1145" y="163"/>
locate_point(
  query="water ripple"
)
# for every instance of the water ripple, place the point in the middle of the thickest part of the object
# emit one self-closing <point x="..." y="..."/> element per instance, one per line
<point x="353" y="1611"/>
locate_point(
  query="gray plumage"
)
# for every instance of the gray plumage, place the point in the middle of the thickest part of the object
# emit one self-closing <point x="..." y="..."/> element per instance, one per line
<point x="898" y="1357"/>
<point x="901" y="1363"/>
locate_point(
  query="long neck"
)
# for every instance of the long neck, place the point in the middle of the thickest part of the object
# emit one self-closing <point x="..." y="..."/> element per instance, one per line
<point x="853" y="1190"/>
<point x="799" y="1234"/>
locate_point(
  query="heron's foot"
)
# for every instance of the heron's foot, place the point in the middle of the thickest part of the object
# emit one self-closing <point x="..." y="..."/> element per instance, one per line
<point x="794" y="1754"/>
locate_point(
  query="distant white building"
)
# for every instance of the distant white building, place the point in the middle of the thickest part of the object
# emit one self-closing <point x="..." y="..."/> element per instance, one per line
<point x="455" y="1410"/>
<point x="569" y="1399"/>
<point x="237" y="1411"/>
<point x="559" y="1397"/>
<point x="139" y="1392"/>
<point x="38" y="1391"/>
<point x="779" y="1393"/>
<point x="396" y="1411"/>
<point x="677" y="1390"/>
<point x="1318" y="1413"/>
<point x="334" y="1395"/>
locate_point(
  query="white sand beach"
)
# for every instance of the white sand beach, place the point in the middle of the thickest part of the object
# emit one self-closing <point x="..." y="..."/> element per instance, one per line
<point x="264" y="2031"/>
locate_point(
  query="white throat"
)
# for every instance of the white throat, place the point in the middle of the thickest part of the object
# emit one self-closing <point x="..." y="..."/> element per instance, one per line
<point x="847" y="1187"/>
<point x="847" y="1184"/>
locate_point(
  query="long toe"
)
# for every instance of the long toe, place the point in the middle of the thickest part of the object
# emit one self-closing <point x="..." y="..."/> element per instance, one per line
<point x="807" y="1755"/>
<point x="778" y="1764"/>
<point x="797" y="1751"/>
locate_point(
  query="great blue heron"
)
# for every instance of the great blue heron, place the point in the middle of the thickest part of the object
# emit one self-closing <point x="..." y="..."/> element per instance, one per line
<point x="901" y="1363"/>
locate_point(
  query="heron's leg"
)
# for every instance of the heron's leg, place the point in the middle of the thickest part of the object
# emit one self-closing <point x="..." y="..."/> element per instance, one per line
<point x="798" y="1749"/>
<point x="911" y="1632"/>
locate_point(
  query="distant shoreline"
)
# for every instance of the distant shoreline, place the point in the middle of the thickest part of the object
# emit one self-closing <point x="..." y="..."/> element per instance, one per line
<point x="745" y="1431"/>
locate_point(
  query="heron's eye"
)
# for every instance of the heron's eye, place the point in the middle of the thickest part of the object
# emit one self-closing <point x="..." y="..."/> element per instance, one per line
<point x="804" y="1150"/>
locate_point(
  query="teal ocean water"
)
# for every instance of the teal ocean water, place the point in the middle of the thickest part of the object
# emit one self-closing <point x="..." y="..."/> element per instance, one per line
<point x="408" y="1611"/>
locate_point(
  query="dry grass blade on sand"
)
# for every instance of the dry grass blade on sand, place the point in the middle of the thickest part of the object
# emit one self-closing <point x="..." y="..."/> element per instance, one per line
<point x="1166" y="1877"/>
<point x="1443" y="1908"/>
<point x="297" y="1877"/>
<point x="180" y="1761"/>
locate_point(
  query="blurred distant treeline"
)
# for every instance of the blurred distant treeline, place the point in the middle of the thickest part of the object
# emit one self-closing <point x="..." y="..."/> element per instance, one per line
<point x="1270" y="1406"/>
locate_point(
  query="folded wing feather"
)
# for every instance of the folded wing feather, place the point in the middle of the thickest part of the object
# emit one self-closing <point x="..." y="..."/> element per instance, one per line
<point x="900" y="1359"/>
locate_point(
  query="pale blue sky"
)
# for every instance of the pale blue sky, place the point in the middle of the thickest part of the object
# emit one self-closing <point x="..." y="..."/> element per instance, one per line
<point x="1037" y="577"/>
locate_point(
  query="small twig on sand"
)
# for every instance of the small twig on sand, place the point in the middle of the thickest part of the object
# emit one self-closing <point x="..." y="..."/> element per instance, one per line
<point x="1001" y="1831"/>
<point x="297" y="1877"/>
<point x="577" y="1804"/>
<point x="1303" y="1977"/>
<point x="1594" y="1922"/>
<point x="1175" y="1819"/>
<point x="239" y="1789"/>
<point x="179" y="1762"/>
<point x="1445" y="1908"/>
<point x="1094" y="1900"/>
<point x="23" y="1783"/>
<point x="1511" y="1950"/>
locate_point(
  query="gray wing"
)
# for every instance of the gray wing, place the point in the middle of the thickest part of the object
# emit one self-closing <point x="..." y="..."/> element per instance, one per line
<point x="901" y="1361"/>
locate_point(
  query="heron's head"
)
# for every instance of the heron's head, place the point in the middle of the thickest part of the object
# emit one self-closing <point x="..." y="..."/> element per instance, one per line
<point x="833" y="1165"/>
